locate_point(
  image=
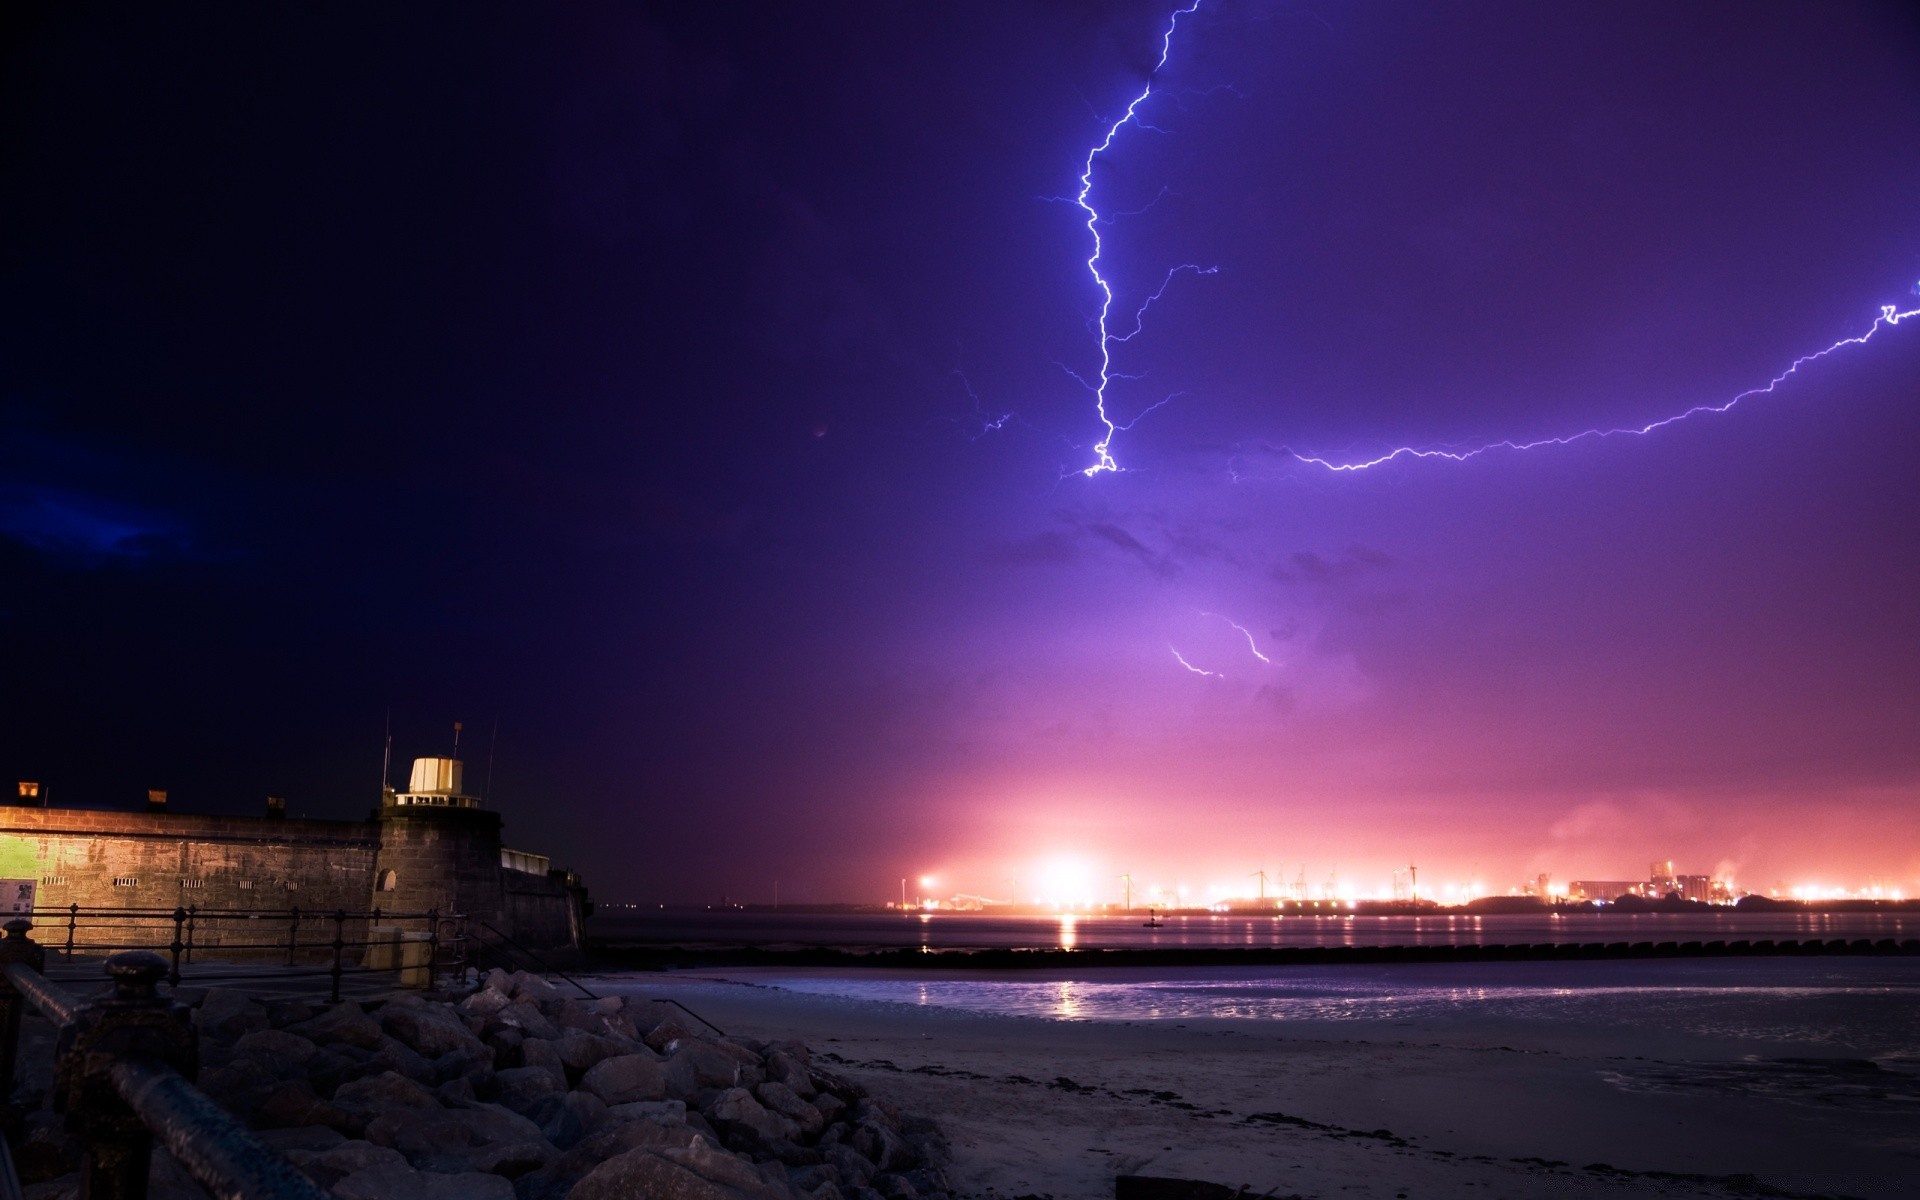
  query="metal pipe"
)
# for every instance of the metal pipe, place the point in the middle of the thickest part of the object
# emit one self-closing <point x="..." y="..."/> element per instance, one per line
<point x="214" y="1147"/>
<point x="55" y="1003"/>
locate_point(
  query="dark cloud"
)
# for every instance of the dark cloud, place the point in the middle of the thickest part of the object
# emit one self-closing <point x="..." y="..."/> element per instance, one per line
<point x="1311" y="567"/>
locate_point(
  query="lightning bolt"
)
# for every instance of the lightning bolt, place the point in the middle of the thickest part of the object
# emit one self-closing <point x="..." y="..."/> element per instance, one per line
<point x="1103" y="458"/>
<point x="1099" y="385"/>
<point x="1181" y="659"/>
<point x="1890" y="315"/>
<point x="1245" y="633"/>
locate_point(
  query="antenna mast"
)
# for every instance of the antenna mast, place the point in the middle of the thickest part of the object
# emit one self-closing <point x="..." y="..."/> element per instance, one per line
<point x="386" y="760"/>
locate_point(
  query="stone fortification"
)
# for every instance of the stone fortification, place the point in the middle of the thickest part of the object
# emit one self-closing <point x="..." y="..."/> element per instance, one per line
<point x="402" y="859"/>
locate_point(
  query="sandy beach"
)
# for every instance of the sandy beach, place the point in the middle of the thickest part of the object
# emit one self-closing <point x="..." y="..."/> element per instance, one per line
<point x="1428" y="1106"/>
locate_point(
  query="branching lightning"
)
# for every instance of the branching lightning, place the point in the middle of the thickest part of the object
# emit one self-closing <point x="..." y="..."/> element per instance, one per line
<point x="1245" y="633"/>
<point x="1890" y="316"/>
<point x="1181" y="659"/>
<point x="1100" y="384"/>
<point x="1104" y="460"/>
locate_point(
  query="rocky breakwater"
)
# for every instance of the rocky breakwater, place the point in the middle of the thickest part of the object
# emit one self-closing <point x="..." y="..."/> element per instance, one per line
<point x="523" y="1092"/>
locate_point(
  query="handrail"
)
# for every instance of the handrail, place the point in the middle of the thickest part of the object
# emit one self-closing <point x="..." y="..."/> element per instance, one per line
<point x="55" y="1003"/>
<point x="538" y="961"/>
<point x="545" y="966"/>
<point x="214" y="1147"/>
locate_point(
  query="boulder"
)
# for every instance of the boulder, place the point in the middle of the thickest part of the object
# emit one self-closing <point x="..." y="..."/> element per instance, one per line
<point x="884" y="1148"/>
<point x="484" y="1003"/>
<point x="294" y="1104"/>
<point x="344" y="1022"/>
<point x="225" y="1015"/>
<point x="396" y="1055"/>
<point x="580" y="1050"/>
<point x="789" y="1071"/>
<point x="389" y="1181"/>
<point x="377" y="1093"/>
<point x="525" y="1017"/>
<point x="668" y="1029"/>
<point x="665" y="1112"/>
<point x="626" y="1078"/>
<point x="535" y="990"/>
<point x="430" y="1029"/>
<point x="472" y="1061"/>
<point x="281" y="1054"/>
<point x="643" y="1173"/>
<point x="855" y="1168"/>
<point x="545" y="1054"/>
<point x="566" y="1118"/>
<point x="779" y="1098"/>
<point x="330" y="1166"/>
<point x="520" y="1088"/>
<point x="307" y="1140"/>
<point x="736" y="1106"/>
<point x="694" y="1064"/>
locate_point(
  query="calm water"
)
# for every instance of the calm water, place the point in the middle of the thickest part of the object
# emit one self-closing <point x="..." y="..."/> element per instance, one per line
<point x="963" y="931"/>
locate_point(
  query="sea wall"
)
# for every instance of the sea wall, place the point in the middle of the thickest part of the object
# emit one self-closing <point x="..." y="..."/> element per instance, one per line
<point x="401" y="861"/>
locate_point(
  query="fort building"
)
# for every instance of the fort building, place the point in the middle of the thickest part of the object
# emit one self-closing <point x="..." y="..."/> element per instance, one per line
<point x="429" y="847"/>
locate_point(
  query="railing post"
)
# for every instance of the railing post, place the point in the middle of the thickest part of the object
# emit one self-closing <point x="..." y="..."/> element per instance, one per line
<point x="135" y="1022"/>
<point x="192" y="911"/>
<point x="178" y="944"/>
<point x="433" y="945"/>
<point x="73" y="922"/>
<point x="339" y="949"/>
<point x="16" y="947"/>
<point x="293" y="932"/>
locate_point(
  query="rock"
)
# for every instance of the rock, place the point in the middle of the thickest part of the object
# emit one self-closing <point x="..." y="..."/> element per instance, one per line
<point x="294" y="1104"/>
<point x="716" y="1165"/>
<point x="884" y="1148"/>
<point x="483" y="1003"/>
<point x="627" y="1078"/>
<point x="668" y="1030"/>
<point x="378" y="1093"/>
<point x="473" y="1061"/>
<point x="240" y="1086"/>
<point x="282" y="1013"/>
<point x="807" y="1178"/>
<point x="779" y="1098"/>
<point x="427" y="1137"/>
<point x="736" y="1106"/>
<point x="344" y="1022"/>
<point x="430" y="1029"/>
<point x="643" y="1173"/>
<point x="281" y="1054"/>
<point x="876" y="1112"/>
<point x="693" y="1064"/>
<point x="520" y="1088"/>
<point x="568" y="1117"/>
<point x="785" y="1069"/>
<point x="330" y="1166"/>
<point x="396" y="1055"/>
<point x="895" y="1187"/>
<point x="525" y="1017"/>
<point x="855" y="1168"/>
<point x="506" y="1045"/>
<point x="455" y="1092"/>
<point x="309" y="1139"/>
<point x="226" y="1015"/>
<point x="927" y="1180"/>
<point x="830" y="1105"/>
<point x="580" y="1050"/>
<point x="554" y="1179"/>
<point x="534" y="990"/>
<point x="390" y="1181"/>
<point x="665" y="1112"/>
<point x="545" y="1054"/>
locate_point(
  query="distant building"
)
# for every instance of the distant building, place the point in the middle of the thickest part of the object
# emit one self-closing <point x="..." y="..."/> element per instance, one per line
<point x="1661" y="879"/>
<point x="1603" y="889"/>
<point x="1695" y="887"/>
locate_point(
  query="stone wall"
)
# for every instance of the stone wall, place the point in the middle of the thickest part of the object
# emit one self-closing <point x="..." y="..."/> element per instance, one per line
<point x="405" y="860"/>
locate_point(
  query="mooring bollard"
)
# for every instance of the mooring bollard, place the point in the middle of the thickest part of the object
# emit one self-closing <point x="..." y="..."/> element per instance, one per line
<point x="178" y="944"/>
<point x="134" y="1022"/>
<point x="73" y="923"/>
<point x="16" y="947"/>
<point x="339" y="951"/>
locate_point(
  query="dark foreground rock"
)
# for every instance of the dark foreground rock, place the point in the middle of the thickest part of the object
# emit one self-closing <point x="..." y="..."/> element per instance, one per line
<point x="526" y="1091"/>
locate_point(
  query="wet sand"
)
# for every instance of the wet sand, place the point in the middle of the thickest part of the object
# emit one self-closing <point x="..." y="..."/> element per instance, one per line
<point x="1454" y="1107"/>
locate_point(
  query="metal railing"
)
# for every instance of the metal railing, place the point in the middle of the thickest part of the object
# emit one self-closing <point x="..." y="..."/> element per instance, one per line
<point x="123" y="1075"/>
<point x="278" y="944"/>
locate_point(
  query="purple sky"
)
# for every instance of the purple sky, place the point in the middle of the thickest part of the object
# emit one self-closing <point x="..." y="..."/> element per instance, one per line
<point x="635" y="375"/>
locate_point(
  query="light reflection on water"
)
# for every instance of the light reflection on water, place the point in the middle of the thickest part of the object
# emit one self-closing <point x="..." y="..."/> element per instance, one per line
<point x="1871" y="1006"/>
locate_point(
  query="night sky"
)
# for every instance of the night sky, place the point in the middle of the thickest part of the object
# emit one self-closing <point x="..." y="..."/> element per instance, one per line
<point x="696" y="390"/>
